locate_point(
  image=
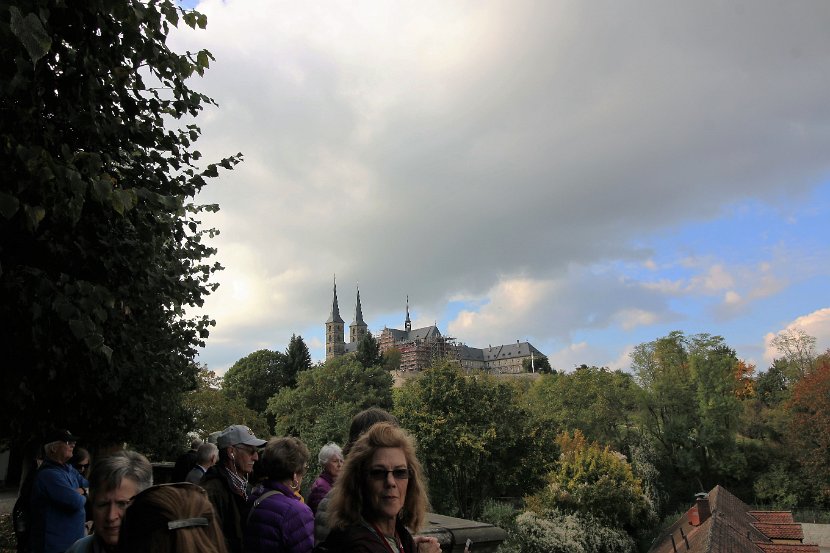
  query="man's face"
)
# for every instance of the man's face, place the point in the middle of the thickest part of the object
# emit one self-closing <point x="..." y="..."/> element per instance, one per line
<point x="63" y="451"/>
<point x="243" y="457"/>
<point x="108" y="510"/>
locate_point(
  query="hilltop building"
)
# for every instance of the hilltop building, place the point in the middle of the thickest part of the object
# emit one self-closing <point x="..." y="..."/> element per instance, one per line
<point x="420" y="347"/>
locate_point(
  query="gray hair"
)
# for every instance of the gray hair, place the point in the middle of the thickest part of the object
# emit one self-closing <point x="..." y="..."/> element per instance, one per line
<point x="108" y="472"/>
<point x="206" y="452"/>
<point x="328" y="451"/>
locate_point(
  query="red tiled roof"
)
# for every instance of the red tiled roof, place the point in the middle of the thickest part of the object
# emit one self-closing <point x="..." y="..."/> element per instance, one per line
<point x="773" y="517"/>
<point x="734" y="528"/>
<point x="780" y="531"/>
<point x="787" y="548"/>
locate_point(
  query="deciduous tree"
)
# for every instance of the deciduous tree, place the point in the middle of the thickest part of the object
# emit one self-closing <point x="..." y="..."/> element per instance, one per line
<point x="472" y="433"/>
<point x="101" y="244"/>
<point x="319" y="409"/>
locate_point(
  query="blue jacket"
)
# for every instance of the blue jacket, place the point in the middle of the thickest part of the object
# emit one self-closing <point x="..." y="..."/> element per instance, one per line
<point x="280" y="523"/>
<point x="57" y="508"/>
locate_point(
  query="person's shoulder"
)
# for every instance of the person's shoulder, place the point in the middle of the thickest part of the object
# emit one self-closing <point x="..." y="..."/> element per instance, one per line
<point x="83" y="545"/>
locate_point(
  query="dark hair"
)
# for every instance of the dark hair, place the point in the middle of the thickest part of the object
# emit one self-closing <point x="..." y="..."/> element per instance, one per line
<point x="194" y="529"/>
<point x="363" y="421"/>
<point x="79" y="455"/>
<point x="282" y="457"/>
<point x="349" y="502"/>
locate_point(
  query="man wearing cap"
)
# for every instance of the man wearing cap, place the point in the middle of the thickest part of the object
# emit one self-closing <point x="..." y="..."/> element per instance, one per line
<point x="227" y="481"/>
<point x="58" y="497"/>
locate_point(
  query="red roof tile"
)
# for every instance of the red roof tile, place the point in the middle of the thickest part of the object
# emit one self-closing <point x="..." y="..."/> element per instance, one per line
<point x="788" y="548"/>
<point x="773" y="517"/>
<point x="780" y="531"/>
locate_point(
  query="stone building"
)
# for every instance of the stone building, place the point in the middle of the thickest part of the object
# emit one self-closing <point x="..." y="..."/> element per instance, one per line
<point x="420" y="347"/>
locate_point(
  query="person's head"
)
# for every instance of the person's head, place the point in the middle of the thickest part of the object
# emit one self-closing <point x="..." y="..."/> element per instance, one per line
<point x="382" y="479"/>
<point x="194" y="445"/>
<point x="363" y="421"/>
<point x="238" y="448"/>
<point x="113" y="482"/>
<point x="207" y="454"/>
<point x="60" y="445"/>
<point x="285" y="459"/>
<point x="171" y="518"/>
<point x="80" y="460"/>
<point x="331" y="459"/>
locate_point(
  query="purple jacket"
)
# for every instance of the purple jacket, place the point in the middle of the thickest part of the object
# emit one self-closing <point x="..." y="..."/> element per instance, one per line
<point x="319" y="489"/>
<point x="280" y="523"/>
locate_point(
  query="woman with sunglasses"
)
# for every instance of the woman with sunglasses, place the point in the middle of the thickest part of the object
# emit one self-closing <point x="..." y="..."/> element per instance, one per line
<point x="380" y="497"/>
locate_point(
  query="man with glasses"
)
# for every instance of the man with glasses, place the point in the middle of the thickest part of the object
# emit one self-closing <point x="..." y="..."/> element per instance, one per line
<point x="227" y="481"/>
<point x="58" y="497"/>
<point x="114" y="481"/>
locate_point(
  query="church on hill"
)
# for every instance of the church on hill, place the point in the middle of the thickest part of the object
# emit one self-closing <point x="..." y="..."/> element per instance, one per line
<point x="420" y="347"/>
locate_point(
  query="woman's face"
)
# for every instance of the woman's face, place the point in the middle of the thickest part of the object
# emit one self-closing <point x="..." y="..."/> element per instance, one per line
<point x="386" y="492"/>
<point x="333" y="465"/>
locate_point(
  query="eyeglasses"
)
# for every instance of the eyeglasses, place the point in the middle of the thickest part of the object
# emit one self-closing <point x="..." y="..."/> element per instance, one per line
<point x="250" y="450"/>
<point x="383" y="474"/>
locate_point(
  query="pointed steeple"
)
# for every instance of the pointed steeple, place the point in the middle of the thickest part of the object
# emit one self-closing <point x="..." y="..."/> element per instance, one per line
<point x="407" y="323"/>
<point x="335" y="309"/>
<point x="358" y="311"/>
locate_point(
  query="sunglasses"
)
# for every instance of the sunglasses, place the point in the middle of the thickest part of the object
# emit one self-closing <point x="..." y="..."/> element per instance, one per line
<point x="383" y="474"/>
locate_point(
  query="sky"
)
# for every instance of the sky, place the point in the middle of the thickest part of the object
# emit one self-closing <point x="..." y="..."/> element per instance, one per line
<point x="587" y="176"/>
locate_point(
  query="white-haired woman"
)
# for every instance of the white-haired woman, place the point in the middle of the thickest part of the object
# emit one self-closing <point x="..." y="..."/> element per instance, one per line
<point x="331" y="459"/>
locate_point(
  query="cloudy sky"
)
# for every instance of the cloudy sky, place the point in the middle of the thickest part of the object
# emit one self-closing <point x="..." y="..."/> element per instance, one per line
<point x="583" y="175"/>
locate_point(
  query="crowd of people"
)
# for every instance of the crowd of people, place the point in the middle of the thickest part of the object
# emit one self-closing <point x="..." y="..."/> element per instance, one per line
<point x="240" y="494"/>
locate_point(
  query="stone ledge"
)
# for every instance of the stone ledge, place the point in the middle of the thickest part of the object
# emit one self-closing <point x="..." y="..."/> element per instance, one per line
<point x="453" y="533"/>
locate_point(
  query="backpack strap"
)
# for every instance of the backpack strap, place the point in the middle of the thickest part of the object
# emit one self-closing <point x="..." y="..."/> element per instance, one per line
<point x="259" y="500"/>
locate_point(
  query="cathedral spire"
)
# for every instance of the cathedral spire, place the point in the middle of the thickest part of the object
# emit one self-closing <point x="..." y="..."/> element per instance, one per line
<point x="358" y="310"/>
<point x="408" y="323"/>
<point x="335" y="309"/>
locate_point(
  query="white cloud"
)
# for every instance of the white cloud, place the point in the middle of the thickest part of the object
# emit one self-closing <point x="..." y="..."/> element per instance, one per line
<point x="497" y="151"/>
<point x="816" y="324"/>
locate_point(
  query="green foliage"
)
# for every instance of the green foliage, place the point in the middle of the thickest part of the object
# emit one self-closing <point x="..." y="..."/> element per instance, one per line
<point x="540" y="364"/>
<point x="212" y="410"/>
<point x="558" y="532"/>
<point x="689" y="409"/>
<point x="368" y="351"/>
<point x="594" y="481"/>
<point x="320" y="408"/>
<point x="256" y="377"/>
<point x="472" y="436"/>
<point x="297" y="358"/>
<point x="392" y="359"/>
<point x="101" y="244"/>
<point x="602" y="404"/>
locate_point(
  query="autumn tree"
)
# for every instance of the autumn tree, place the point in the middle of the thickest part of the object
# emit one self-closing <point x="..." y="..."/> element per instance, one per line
<point x="798" y="349"/>
<point x="102" y="250"/>
<point x="809" y="435"/>
<point x="593" y="480"/>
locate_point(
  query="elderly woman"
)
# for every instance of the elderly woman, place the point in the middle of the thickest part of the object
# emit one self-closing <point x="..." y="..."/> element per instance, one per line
<point x="278" y="519"/>
<point x="331" y="459"/>
<point x="114" y="481"/>
<point x="380" y="497"/>
<point x="171" y="518"/>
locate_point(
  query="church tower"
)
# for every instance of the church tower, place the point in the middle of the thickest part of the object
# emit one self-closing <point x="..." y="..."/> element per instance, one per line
<point x="358" y="328"/>
<point x="334" y="330"/>
<point x="407" y="325"/>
